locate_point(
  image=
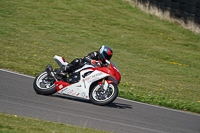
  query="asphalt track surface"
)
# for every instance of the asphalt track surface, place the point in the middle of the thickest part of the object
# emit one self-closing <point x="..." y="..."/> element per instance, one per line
<point x="18" y="97"/>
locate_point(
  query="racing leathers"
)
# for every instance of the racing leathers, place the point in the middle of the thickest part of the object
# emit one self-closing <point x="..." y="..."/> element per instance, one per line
<point x="93" y="58"/>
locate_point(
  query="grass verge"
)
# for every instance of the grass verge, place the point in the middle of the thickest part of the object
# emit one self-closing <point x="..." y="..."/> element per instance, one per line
<point x="159" y="61"/>
<point x="15" y="124"/>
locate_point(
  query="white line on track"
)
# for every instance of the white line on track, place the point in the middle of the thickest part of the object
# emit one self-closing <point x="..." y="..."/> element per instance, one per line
<point x="157" y="106"/>
<point x="117" y="97"/>
<point x="91" y="118"/>
<point x="17" y="73"/>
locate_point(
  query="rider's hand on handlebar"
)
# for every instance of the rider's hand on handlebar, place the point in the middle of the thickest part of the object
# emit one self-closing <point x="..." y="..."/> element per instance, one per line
<point x="97" y="63"/>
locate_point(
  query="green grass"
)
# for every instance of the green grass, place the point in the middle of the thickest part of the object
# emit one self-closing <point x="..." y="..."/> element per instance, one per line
<point x="159" y="61"/>
<point x="15" y="124"/>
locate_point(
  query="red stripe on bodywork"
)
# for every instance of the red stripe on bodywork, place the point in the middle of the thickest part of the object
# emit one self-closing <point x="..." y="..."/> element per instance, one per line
<point x="60" y="85"/>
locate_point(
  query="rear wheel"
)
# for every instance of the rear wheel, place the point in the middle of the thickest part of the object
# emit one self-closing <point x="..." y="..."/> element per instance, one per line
<point x="44" y="84"/>
<point x="100" y="96"/>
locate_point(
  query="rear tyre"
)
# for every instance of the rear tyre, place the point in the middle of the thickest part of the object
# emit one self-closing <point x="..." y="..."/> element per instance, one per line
<point x="100" y="96"/>
<point x="44" y="84"/>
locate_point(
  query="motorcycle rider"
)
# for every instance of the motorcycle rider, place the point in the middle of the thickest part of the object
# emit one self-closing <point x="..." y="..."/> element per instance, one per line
<point x="96" y="58"/>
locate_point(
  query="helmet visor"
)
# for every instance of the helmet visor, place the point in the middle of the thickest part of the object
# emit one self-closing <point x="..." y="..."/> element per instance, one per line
<point x="108" y="57"/>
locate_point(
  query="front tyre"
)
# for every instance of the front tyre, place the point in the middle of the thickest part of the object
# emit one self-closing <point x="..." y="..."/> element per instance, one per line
<point x="44" y="84"/>
<point x="100" y="96"/>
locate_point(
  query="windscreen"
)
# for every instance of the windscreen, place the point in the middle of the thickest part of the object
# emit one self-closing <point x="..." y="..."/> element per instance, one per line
<point x="113" y="63"/>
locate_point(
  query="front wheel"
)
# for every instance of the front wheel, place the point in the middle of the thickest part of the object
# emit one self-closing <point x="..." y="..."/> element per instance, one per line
<point x="44" y="84"/>
<point x="100" y="96"/>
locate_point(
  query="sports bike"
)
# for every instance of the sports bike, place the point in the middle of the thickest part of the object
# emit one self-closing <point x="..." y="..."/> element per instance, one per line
<point x="92" y="82"/>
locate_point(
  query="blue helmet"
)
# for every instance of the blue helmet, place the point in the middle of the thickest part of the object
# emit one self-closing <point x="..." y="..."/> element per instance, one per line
<point x="105" y="52"/>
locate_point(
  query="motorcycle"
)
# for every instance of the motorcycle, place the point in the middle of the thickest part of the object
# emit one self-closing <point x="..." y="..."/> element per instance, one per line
<point x="95" y="83"/>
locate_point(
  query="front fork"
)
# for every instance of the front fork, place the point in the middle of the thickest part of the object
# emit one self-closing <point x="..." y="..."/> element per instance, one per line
<point x="104" y="84"/>
<point x="105" y="91"/>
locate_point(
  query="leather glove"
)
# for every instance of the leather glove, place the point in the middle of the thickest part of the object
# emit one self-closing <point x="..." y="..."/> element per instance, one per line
<point x="97" y="63"/>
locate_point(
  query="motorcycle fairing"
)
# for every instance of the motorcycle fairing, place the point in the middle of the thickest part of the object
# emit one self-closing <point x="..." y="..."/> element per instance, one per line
<point x="86" y="66"/>
<point x="76" y="89"/>
<point x="114" y="74"/>
<point x="81" y="88"/>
